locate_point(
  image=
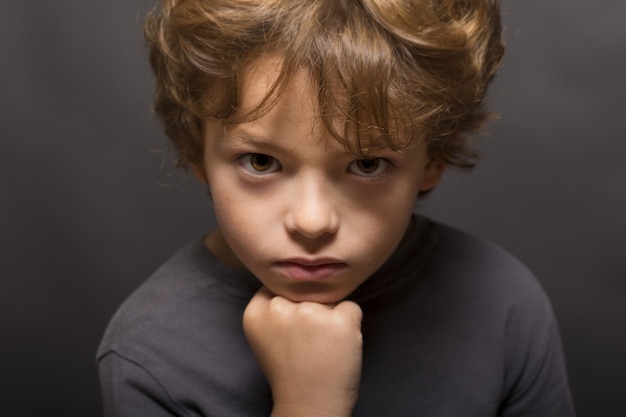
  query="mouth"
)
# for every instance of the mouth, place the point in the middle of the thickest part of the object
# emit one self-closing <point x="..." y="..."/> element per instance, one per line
<point x="310" y="269"/>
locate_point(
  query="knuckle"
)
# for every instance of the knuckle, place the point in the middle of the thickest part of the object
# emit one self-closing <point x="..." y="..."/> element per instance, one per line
<point x="308" y="309"/>
<point x="278" y="306"/>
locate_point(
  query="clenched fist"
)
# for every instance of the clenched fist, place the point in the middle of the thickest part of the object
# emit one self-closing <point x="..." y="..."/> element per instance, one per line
<point x="310" y="353"/>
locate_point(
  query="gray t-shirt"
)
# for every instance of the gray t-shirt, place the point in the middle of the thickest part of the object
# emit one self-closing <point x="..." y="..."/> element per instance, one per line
<point x="453" y="326"/>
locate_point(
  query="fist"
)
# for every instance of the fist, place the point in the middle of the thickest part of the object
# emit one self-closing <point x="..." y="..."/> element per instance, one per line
<point x="310" y="353"/>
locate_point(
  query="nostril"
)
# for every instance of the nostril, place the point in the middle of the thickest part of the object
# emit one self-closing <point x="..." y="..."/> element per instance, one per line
<point x="312" y="244"/>
<point x="312" y="224"/>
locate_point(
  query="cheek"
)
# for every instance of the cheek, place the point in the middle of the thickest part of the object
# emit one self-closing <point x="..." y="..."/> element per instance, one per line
<point x="245" y="222"/>
<point x="395" y="214"/>
<point x="378" y="230"/>
<point x="390" y="207"/>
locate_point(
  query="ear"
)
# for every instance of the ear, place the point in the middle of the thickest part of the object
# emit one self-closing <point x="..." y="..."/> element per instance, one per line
<point x="198" y="171"/>
<point x="432" y="174"/>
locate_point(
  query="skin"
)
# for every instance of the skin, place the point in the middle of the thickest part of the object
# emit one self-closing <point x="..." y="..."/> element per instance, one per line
<point x="286" y="195"/>
<point x="310" y="353"/>
<point x="312" y="223"/>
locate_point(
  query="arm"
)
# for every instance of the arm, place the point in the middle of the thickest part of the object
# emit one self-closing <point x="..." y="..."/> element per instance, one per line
<point x="536" y="376"/>
<point x="310" y="354"/>
<point x="128" y="389"/>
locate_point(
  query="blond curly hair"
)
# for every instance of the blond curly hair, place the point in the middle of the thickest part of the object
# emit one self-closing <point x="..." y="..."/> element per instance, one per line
<point x="410" y="69"/>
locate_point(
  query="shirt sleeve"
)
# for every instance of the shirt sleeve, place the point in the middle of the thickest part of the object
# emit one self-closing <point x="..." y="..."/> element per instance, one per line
<point x="536" y="376"/>
<point x="129" y="390"/>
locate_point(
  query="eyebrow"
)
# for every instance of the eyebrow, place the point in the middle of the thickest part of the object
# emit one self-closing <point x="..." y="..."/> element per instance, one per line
<point x="239" y="135"/>
<point x="242" y="136"/>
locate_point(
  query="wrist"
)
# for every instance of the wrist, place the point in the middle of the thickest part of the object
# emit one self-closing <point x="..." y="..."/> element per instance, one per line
<point x="308" y="410"/>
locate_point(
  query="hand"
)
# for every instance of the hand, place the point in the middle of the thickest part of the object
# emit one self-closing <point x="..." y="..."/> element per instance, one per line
<point x="310" y="353"/>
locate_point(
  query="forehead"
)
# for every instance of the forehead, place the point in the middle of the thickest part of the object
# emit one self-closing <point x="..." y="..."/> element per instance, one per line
<point x="267" y="94"/>
<point x="264" y="84"/>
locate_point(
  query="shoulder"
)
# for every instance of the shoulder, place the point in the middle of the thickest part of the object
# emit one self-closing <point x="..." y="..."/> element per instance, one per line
<point x="180" y="333"/>
<point x="499" y="296"/>
<point x="470" y="250"/>
<point x="474" y="265"/>
<point x="186" y="291"/>
<point x="487" y="286"/>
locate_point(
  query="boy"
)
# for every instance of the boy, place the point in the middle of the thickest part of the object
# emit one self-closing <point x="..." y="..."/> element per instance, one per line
<point x="316" y="124"/>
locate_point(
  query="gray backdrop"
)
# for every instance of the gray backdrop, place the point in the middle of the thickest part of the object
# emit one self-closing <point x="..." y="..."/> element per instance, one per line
<point x="90" y="204"/>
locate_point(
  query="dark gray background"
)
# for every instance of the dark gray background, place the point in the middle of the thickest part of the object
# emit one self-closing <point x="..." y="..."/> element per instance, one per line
<point x="90" y="203"/>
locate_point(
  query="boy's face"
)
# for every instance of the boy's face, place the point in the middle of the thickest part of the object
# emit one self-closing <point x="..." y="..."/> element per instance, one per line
<point x="310" y="221"/>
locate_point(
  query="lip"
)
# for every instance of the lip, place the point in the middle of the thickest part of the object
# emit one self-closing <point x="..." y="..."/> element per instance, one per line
<point x="302" y="269"/>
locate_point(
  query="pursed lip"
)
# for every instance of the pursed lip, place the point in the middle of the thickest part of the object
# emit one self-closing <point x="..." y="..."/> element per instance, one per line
<point x="314" y="269"/>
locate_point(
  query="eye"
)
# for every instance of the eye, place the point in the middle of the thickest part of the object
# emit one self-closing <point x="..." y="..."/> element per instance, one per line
<point x="259" y="164"/>
<point x="372" y="167"/>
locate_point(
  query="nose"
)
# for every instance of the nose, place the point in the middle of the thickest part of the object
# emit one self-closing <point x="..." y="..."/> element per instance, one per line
<point x="312" y="210"/>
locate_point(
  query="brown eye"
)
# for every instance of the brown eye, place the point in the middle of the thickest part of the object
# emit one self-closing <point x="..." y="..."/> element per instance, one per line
<point x="371" y="167"/>
<point x="259" y="164"/>
<point x="367" y="166"/>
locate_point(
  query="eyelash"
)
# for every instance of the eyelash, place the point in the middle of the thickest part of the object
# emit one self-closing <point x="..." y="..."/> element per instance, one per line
<point x="246" y="162"/>
<point x="382" y="165"/>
